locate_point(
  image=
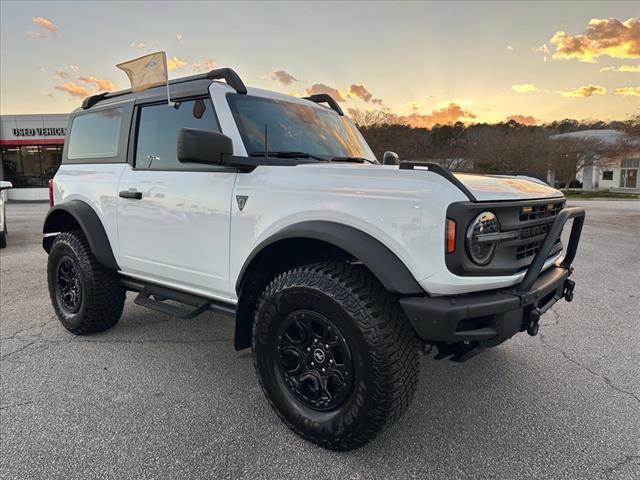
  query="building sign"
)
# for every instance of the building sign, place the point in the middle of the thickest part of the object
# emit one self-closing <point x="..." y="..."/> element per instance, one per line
<point x="40" y="132"/>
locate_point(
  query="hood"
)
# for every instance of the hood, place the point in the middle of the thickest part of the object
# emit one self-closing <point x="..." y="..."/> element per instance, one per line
<point x="498" y="187"/>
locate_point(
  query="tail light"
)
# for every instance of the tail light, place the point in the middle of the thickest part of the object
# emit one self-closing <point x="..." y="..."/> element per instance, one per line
<point x="51" y="192"/>
<point x="450" y="236"/>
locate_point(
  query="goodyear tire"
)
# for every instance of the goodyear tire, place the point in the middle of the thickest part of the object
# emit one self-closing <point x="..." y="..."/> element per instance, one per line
<point x="86" y="297"/>
<point x="335" y="355"/>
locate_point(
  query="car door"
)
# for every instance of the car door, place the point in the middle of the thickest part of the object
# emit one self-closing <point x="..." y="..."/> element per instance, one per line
<point x="173" y="218"/>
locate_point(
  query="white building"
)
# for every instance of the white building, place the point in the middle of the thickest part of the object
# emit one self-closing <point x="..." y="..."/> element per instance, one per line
<point x="31" y="149"/>
<point x="607" y="159"/>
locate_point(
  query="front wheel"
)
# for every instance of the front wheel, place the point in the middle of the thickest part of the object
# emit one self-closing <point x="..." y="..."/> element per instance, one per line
<point x="335" y="355"/>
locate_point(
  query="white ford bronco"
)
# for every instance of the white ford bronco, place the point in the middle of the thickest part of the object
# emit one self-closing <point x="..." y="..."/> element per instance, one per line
<point x="339" y="269"/>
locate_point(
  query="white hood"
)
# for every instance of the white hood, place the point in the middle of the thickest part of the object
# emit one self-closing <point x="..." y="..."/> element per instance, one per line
<point x="498" y="187"/>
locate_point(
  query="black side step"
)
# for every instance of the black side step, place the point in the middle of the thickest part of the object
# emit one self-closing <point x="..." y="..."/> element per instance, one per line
<point x="155" y="297"/>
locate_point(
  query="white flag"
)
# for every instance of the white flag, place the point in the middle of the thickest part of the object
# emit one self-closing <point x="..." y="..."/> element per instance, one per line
<point x="146" y="72"/>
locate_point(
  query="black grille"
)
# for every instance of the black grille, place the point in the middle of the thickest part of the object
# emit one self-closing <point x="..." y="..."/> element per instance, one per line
<point x="537" y="212"/>
<point x="530" y="249"/>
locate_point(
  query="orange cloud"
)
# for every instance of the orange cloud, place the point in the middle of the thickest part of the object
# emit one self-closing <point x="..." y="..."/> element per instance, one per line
<point x="522" y="119"/>
<point x="47" y="24"/>
<point x="322" y="88"/>
<point x="524" y="88"/>
<point x="622" y="68"/>
<point x="414" y="105"/>
<point x="602" y="37"/>
<point x="283" y="77"/>
<point x="204" y="66"/>
<point x="585" y="91"/>
<point x="174" y="63"/>
<point x="631" y="91"/>
<point x="358" y="90"/>
<point x="449" y="114"/>
<point x="100" y="83"/>
<point x="74" y="90"/>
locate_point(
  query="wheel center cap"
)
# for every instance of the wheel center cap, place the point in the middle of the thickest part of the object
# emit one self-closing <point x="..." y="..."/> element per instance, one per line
<point x="319" y="355"/>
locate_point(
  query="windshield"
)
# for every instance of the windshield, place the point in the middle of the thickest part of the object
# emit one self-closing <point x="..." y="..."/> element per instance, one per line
<point x="294" y="127"/>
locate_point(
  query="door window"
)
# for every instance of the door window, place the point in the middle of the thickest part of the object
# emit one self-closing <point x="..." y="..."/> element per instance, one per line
<point x="158" y="128"/>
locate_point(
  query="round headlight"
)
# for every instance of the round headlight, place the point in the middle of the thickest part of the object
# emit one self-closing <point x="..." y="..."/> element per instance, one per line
<point x="480" y="248"/>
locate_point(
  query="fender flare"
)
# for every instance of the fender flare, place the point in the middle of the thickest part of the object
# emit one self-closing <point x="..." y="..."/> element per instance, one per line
<point x="377" y="257"/>
<point x="57" y="220"/>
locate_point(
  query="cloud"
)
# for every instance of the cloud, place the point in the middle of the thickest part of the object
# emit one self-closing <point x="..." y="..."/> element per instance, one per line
<point x="204" y="66"/>
<point x="510" y="48"/>
<point x="622" y="68"/>
<point x="335" y="93"/>
<point x="138" y="45"/>
<point x="282" y="76"/>
<point x="449" y="114"/>
<point x="544" y="50"/>
<point x="74" y="90"/>
<point x="100" y="83"/>
<point x="47" y="94"/>
<point x="584" y="91"/>
<point x="414" y="105"/>
<point x="358" y="90"/>
<point x="602" y="37"/>
<point x="524" y="88"/>
<point x="179" y="37"/>
<point x="36" y="35"/>
<point x="632" y="91"/>
<point x="74" y="68"/>
<point x="376" y="101"/>
<point x="61" y="74"/>
<point x="175" y="63"/>
<point x="522" y="119"/>
<point x="46" y="24"/>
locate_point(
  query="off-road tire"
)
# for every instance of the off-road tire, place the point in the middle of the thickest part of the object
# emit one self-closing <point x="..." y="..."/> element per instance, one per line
<point x="101" y="295"/>
<point x="383" y="345"/>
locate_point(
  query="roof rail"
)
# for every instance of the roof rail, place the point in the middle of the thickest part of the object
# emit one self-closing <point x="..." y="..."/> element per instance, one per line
<point x="226" y="74"/>
<point x="325" y="98"/>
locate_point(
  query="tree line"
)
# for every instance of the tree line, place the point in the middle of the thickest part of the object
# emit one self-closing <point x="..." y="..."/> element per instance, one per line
<point x="507" y="147"/>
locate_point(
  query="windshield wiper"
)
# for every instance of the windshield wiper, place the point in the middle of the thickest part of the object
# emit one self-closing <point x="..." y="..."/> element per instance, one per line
<point x="352" y="159"/>
<point x="287" y="154"/>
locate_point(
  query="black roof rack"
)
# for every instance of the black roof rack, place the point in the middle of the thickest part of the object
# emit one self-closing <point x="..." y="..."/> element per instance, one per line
<point x="226" y="74"/>
<point x="325" y="98"/>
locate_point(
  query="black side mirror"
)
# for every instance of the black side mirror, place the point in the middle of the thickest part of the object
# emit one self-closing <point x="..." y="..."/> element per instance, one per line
<point x="203" y="146"/>
<point x="390" y="158"/>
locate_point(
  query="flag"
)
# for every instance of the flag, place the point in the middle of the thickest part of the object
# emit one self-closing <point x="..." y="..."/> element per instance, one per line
<point x="146" y="72"/>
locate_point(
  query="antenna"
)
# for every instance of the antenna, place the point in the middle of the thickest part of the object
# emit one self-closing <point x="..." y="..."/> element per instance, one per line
<point x="266" y="145"/>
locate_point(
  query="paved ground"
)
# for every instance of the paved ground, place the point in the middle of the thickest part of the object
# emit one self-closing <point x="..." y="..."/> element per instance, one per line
<point x="162" y="398"/>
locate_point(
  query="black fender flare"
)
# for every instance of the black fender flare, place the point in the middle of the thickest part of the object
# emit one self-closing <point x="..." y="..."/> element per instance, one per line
<point x="58" y="220"/>
<point x="377" y="257"/>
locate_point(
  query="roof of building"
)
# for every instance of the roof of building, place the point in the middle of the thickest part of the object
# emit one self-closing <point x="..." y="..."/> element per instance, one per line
<point x="602" y="139"/>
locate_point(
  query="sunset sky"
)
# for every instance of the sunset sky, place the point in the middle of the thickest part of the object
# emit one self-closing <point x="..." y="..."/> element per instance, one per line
<point x="425" y="62"/>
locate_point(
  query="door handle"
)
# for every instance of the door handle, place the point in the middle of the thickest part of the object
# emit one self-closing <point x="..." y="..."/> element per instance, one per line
<point x="132" y="194"/>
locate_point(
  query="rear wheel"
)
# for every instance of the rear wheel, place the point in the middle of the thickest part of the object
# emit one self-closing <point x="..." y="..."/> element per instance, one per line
<point x="335" y="355"/>
<point x="87" y="297"/>
<point x="3" y="237"/>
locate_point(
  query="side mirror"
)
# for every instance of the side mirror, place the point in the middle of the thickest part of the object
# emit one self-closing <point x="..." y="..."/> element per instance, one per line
<point x="203" y="146"/>
<point x="390" y="158"/>
<point x="4" y="185"/>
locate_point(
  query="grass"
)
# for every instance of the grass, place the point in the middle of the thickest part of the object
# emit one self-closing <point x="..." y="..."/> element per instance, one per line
<point x="587" y="195"/>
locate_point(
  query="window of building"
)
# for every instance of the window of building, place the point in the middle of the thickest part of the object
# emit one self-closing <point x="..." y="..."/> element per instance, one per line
<point x="607" y="175"/>
<point x="30" y="165"/>
<point x="158" y="128"/>
<point x="629" y="173"/>
<point x="95" y="135"/>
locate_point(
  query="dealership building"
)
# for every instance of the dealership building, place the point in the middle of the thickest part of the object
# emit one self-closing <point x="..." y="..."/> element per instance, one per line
<point x="31" y="147"/>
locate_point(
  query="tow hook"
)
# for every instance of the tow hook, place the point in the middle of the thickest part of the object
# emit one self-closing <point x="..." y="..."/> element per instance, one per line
<point x="569" y="285"/>
<point x="534" y="322"/>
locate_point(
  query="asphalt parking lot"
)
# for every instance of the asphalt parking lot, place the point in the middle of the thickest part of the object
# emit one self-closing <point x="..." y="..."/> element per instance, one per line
<point x="157" y="397"/>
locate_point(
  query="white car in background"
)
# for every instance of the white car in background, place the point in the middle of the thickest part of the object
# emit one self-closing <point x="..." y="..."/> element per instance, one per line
<point x="3" y="222"/>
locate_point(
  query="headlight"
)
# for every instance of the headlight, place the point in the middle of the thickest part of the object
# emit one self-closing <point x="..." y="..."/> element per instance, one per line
<point x="480" y="244"/>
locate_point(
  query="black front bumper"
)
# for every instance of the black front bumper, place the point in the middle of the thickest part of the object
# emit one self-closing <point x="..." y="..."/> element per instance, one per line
<point x="486" y="319"/>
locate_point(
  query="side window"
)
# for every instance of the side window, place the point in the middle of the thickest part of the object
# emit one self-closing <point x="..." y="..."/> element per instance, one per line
<point x="95" y="135"/>
<point x="158" y="127"/>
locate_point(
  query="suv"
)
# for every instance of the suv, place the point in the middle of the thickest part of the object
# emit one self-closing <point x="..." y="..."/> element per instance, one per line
<point x="338" y="269"/>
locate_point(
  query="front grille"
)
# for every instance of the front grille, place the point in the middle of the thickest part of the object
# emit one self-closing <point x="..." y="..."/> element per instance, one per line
<point x="530" y="249"/>
<point x="537" y="212"/>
